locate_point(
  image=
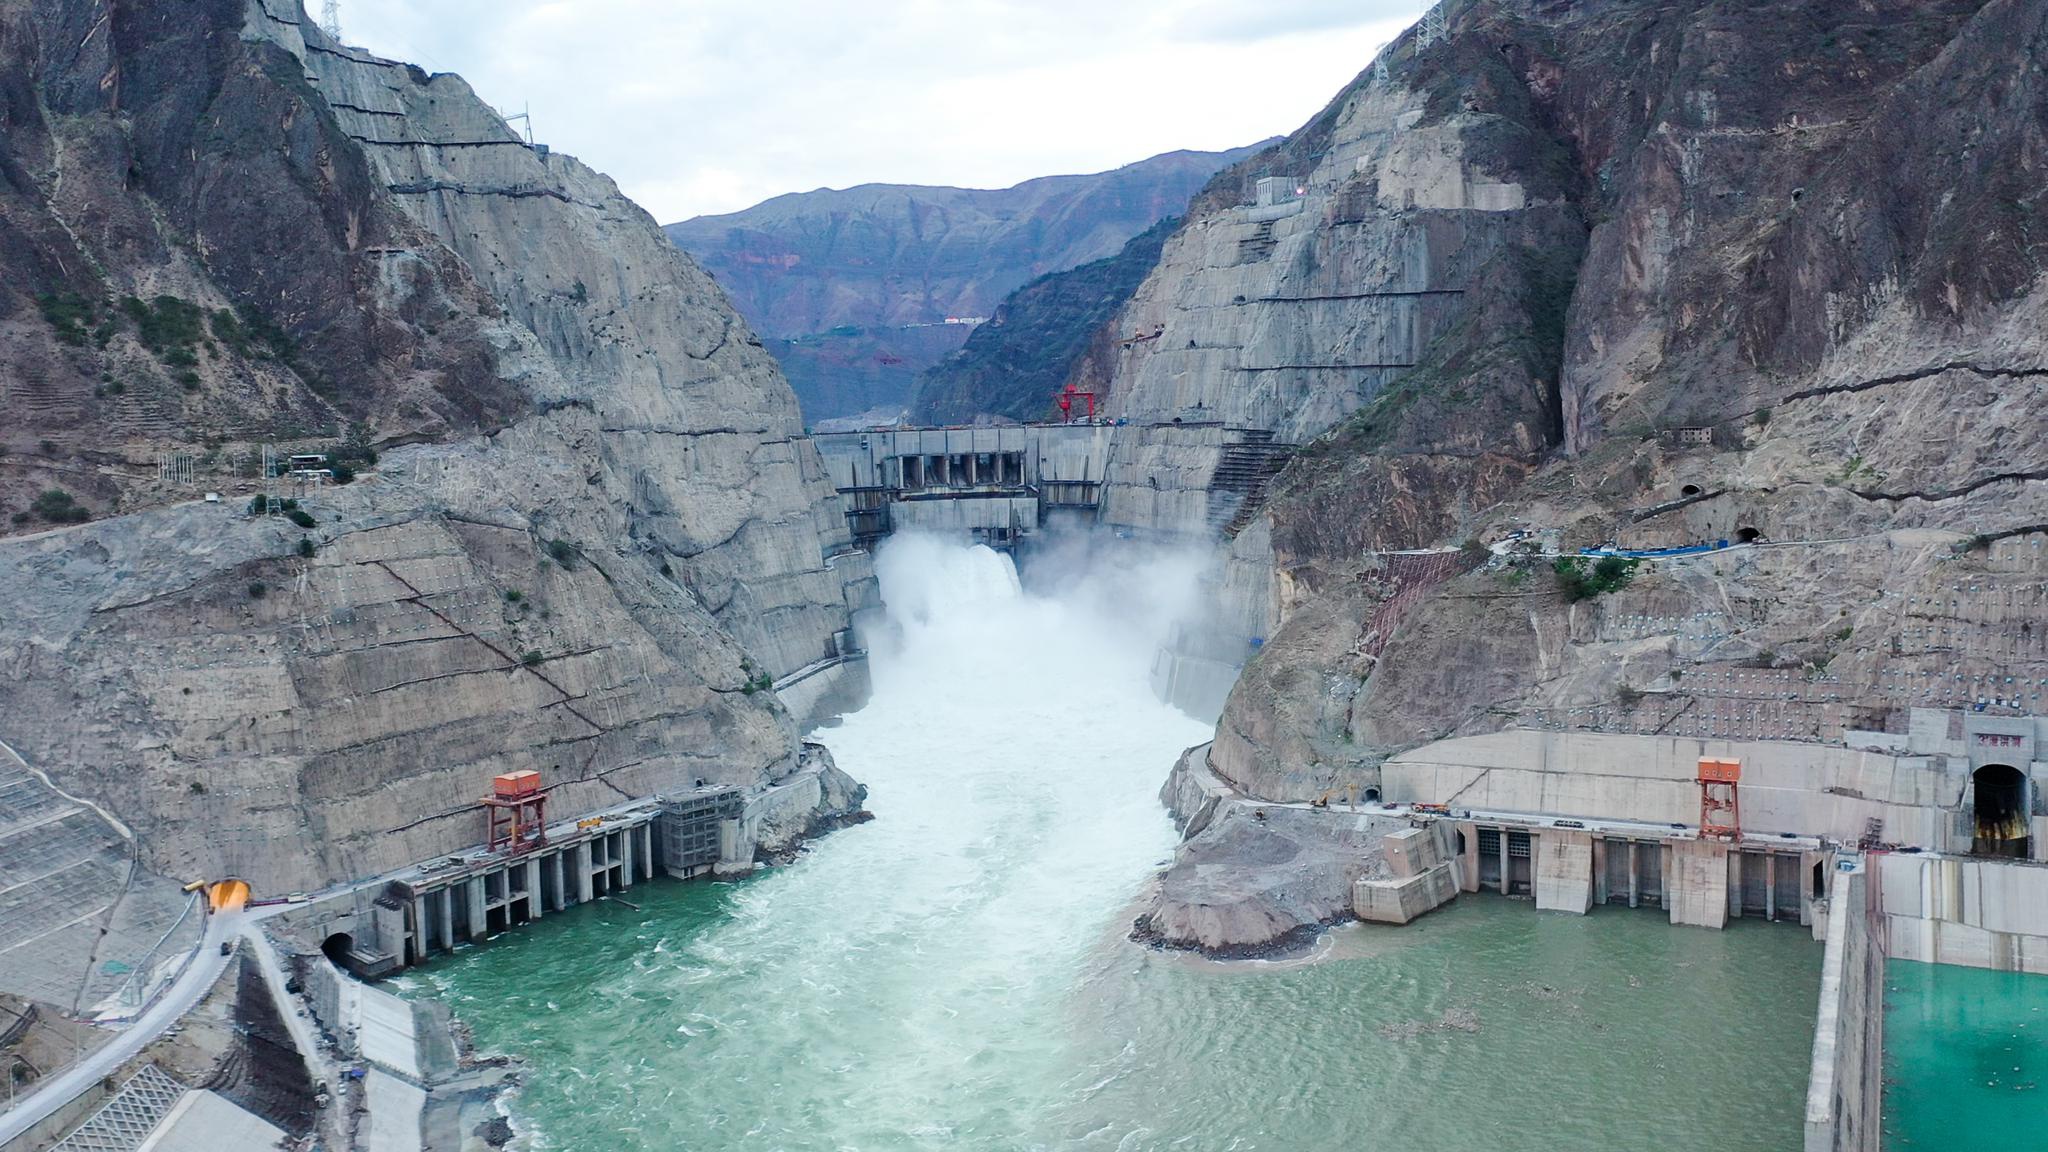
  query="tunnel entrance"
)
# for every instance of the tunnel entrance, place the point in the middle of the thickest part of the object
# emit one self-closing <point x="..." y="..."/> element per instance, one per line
<point x="1689" y="490"/>
<point x="1372" y="795"/>
<point x="2000" y="801"/>
<point x="1748" y="535"/>
<point x="337" y="947"/>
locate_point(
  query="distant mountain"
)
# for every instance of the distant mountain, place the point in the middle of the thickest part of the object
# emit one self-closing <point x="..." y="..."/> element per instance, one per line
<point x="838" y="275"/>
<point x="1012" y="365"/>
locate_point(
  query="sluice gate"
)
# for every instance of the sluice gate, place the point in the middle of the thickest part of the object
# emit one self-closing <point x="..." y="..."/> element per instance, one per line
<point x="995" y="484"/>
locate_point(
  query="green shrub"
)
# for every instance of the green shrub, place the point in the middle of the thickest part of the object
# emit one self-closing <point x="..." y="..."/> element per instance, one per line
<point x="58" y="507"/>
<point x="342" y="473"/>
<point x="306" y="547"/>
<point x="258" y="589"/>
<point x="514" y="595"/>
<point x="355" y="449"/>
<point x="167" y="325"/>
<point x="69" y="314"/>
<point x="258" y="505"/>
<point x="300" y="517"/>
<point x="531" y="658"/>
<point x="1581" y="581"/>
<point x="562" y="552"/>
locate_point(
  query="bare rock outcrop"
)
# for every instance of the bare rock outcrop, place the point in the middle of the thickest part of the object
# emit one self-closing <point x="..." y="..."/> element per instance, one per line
<point x="595" y="537"/>
<point x="1518" y="256"/>
<point x="1254" y="879"/>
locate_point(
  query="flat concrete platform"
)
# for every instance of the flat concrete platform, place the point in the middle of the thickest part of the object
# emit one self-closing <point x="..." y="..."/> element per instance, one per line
<point x="203" y="1121"/>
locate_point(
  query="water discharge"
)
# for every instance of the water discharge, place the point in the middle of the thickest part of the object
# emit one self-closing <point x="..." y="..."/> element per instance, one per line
<point x="954" y="975"/>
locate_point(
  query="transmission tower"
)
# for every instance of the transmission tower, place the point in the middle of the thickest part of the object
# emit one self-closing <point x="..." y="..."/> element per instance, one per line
<point x="1430" y="28"/>
<point x="330" y="19"/>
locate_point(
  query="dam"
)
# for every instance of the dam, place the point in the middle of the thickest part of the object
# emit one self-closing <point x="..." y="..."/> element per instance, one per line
<point x="959" y="968"/>
<point x="1002" y="484"/>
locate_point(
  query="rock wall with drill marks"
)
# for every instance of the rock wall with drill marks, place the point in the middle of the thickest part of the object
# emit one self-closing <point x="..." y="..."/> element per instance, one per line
<point x="594" y="590"/>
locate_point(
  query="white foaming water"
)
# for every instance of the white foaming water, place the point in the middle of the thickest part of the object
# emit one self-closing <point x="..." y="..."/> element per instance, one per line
<point x="953" y="975"/>
<point x="909" y="983"/>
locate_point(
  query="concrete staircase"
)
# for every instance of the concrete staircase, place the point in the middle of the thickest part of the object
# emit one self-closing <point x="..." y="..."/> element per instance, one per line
<point x="1246" y="471"/>
<point x="1258" y="245"/>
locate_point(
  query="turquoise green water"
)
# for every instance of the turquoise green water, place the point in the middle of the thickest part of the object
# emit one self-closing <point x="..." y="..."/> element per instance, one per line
<point x="1965" y="1058"/>
<point x="954" y="975"/>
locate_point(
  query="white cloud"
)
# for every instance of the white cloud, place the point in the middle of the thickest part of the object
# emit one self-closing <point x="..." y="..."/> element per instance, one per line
<point x="713" y="105"/>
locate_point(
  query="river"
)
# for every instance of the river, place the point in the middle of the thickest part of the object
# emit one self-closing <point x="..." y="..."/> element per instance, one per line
<point x="954" y="974"/>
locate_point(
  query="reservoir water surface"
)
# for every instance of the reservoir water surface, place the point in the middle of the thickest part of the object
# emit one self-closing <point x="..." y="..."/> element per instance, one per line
<point x="955" y="974"/>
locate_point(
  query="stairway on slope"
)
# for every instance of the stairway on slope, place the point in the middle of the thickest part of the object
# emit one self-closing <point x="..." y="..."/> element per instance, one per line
<point x="1246" y="471"/>
<point x="1257" y="246"/>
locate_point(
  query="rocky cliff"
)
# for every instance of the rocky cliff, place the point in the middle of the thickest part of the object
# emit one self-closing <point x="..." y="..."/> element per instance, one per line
<point x="1616" y="272"/>
<point x="850" y="278"/>
<point x="593" y="540"/>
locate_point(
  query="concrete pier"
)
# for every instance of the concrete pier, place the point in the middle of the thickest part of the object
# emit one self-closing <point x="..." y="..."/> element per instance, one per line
<point x="405" y="918"/>
<point x="1564" y="873"/>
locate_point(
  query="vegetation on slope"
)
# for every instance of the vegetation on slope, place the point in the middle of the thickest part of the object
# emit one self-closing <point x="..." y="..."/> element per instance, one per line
<point x="1012" y="366"/>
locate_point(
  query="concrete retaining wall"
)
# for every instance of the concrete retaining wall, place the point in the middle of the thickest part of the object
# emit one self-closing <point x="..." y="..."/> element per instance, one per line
<point x="1844" y="1086"/>
<point x="1975" y="913"/>
<point x="1804" y="789"/>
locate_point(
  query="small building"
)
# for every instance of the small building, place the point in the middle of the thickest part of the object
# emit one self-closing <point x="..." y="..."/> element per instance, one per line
<point x="1695" y="435"/>
<point x="1274" y="190"/>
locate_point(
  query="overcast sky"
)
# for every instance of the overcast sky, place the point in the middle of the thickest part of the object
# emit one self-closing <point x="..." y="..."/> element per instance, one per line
<point x="699" y="106"/>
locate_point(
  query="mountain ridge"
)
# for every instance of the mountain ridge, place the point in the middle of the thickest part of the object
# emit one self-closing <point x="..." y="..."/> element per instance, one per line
<point x="844" y="283"/>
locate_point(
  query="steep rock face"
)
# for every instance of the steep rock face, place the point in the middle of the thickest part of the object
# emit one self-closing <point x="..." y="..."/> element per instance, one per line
<point x="1012" y="366"/>
<point x="851" y="278"/>
<point x="1850" y="315"/>
<point x="606" y="539"/>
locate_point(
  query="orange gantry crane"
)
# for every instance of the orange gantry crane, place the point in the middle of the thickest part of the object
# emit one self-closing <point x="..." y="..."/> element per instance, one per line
<point x="1718" y="799"/>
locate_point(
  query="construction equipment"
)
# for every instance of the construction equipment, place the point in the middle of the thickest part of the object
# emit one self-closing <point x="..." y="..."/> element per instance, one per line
<point x="1718" y="779"/>
<point x="1067" y="399"/>
<point x="515" y="813"/>
<point x="1350" y="793"/>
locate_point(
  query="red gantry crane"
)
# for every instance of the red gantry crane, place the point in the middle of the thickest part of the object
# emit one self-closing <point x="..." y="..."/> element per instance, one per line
<point x="1718" y="779"/>
<point x="1067" y="399"/>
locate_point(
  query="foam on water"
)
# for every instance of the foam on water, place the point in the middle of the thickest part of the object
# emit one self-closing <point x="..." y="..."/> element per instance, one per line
<point x="954" y="975"/>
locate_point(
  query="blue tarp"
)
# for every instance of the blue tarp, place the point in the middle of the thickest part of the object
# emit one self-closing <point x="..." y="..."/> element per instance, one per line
<point x="1651" y="553"/>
